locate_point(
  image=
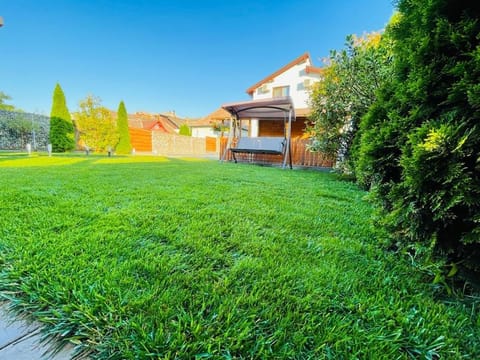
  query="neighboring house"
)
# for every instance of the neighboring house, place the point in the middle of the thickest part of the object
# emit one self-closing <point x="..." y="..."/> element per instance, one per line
<point x="142" y="124"/>
<point x="295" y="80"/>
<point x="201" y="128"/>
<point x="162" y="122"/>
<point x="212" y="125"/>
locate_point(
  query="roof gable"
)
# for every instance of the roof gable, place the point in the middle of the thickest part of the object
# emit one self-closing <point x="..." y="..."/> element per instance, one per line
<point x="297" y="61"/>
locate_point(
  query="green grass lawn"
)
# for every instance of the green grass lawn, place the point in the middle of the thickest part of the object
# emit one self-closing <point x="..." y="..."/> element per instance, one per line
<point x="147" y="257"/>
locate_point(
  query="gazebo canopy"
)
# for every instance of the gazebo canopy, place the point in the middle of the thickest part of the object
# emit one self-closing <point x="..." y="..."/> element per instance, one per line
<point x="263" y="109"/>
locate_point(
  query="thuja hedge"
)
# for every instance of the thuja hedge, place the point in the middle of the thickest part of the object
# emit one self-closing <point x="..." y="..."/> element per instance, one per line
<point x="420" y="141"/>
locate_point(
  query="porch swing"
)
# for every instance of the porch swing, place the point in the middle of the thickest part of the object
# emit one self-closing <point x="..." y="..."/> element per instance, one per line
<point x="280" y="109"/>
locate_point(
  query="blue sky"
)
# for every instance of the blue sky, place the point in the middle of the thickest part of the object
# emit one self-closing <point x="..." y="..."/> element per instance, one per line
<point x="183" y="55"/>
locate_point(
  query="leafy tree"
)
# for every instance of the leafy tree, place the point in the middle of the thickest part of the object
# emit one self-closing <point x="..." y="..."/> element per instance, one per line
<point x="62" y="132"/>
<point x="7" y="107"/>
<point x="185" y="130"/>
<point x="346" y="91"/>
<point x="124" y="145"/>
<point x="420" y="147"/>
<point x="97" y="126"/>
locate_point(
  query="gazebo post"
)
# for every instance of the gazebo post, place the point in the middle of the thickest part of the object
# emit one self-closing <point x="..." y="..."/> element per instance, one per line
<point x="231" y="131"/>
<point x="289" y="135"/>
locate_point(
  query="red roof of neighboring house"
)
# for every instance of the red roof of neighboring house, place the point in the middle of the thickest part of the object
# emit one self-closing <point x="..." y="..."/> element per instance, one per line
<point x="157" y="125"/>
<point x="142" y="120"/>
<point x="297" y="61"/>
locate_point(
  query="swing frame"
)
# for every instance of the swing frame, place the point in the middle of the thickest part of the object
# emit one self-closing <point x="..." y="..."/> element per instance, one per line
<point x="280" y="108"/>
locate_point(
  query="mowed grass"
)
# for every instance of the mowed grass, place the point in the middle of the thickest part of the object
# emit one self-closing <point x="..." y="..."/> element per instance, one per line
<point x="148" y="257"/>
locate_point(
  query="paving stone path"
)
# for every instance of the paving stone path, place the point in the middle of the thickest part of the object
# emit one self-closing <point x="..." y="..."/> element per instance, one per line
<point x="20" y="340"/>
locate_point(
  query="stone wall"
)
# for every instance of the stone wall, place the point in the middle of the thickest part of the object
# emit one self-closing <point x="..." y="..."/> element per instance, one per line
<point x="169" y="144"/>
<point x="17" y="129"/>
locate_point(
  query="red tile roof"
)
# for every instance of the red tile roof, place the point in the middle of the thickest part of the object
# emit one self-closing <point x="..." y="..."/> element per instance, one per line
<point x="143" y="120"/>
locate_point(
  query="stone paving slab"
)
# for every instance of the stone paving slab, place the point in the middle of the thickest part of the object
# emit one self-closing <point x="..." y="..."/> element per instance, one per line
<point x="20" y="340"/>
<point x="11" y="331"/>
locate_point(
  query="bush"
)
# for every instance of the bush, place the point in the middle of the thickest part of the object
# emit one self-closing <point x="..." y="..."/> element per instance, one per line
<point x="185" y="130"/>
<point x="420" y="145"/>
<point x="348" y="87"/>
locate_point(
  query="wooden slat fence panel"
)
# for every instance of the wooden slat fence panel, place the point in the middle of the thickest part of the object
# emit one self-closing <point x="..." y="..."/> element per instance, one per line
<point x="301" y="156"/>
<point x="210" y="144"/>
<point x="141" y="139"/>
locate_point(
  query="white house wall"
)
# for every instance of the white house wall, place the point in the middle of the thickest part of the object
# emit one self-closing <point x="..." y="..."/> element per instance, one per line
<point x="202" y="132"/>
<point x="294" y="78"/>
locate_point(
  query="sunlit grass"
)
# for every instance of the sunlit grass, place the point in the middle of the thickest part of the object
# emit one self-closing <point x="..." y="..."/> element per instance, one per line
<point x="131" y="159"/>
<point x="147" y="257"/>
<point x="29" y="161"/>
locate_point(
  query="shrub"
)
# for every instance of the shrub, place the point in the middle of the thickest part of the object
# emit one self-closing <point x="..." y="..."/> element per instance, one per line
<point x="348" y="87"/>
<point x="420" y="148"/>
<point x="185" y="130"/>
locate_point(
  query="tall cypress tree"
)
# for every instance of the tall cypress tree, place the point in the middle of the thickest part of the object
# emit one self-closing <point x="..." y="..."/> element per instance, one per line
<point x="62" y="132"/>
<point x="124" y="145"/>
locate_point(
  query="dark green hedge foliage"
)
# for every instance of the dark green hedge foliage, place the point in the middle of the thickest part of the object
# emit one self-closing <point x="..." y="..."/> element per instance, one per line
<point x="420" y="145"/>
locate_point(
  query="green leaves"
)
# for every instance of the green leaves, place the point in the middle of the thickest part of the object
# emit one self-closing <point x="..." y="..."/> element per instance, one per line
<point x="420" y="140"/>
<point x="3" y="106"/>
<point x="62" y="134"/>
<point x="97" y="128"/>
<point x="124" y="146"/>
<point x="185" y="130"/>
<point x="348" y="88"/>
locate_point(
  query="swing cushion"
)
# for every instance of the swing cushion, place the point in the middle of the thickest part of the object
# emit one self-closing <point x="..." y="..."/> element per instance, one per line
<point x="260" y="145"/>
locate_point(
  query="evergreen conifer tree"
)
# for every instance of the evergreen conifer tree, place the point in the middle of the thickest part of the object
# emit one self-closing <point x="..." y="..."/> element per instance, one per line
<point x="62" y="132"/>
<point x="420" y="148"/>
<point x="124" y="145"/>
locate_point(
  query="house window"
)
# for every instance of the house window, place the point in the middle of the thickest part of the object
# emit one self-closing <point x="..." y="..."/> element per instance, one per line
<point x="281" y="91"/>
<point x="263" y="89"/>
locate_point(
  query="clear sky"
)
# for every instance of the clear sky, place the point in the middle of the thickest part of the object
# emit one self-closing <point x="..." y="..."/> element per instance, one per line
<point x="157" y="55"/>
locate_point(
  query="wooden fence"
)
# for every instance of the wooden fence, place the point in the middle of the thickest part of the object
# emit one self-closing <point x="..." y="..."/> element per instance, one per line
<point x="301" y="156"/>
<point x="210" y="144"/>
<point x="170" y="144"/>
<point x="141" y="139"/>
